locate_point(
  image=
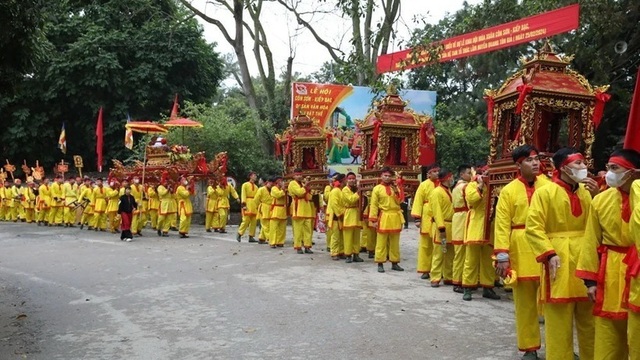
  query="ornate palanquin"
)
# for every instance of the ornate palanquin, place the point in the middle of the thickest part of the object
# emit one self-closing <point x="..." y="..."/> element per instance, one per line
<point x="303" y="145"/>
<point x="392" y="135"/>
<point x="545" y="104"/>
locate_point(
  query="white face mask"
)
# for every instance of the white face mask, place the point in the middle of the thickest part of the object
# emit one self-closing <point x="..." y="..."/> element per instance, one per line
<point x="185" y="183"/>
<point x="615" y="180"/>
<point x="578" y="175"/>
<point x="111" y="184"/>
<point x="136" y="181"/>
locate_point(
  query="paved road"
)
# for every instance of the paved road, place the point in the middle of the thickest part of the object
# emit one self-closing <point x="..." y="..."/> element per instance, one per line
<point x="72" y="294"/>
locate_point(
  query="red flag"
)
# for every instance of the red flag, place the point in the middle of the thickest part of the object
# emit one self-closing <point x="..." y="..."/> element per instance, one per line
<point x="99" y="140"/>
<point x="631" y="139"/>
<point x="174" y="109"/>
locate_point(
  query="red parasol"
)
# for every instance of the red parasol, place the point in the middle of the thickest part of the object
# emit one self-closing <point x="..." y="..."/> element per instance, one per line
<point x="183" y="123"/>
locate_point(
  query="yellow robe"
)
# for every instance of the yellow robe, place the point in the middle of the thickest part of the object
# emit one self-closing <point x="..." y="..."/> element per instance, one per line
<point x="385" y="206"/>
<point x="551" y="228"/>
<point x="248" y="195"/>
<point x="301" y="207"/>
<point x="632" y="295"/>
<point x="335" y="208"/>
<point x="223" y="196"/>
<point x="477" y="201"/>
<point x="442" y="209"/>
<point x="459" y="213"/>
<point x="263" y="200"/>
<point x="278" y="203"/>
<point x="352" y="217"/>
<point x="509" y="227"/>
<point x="167" y="202"/>
<point x="99" y="199"/>
<point x="421" y="208"/>
<point x="184" y="200"/>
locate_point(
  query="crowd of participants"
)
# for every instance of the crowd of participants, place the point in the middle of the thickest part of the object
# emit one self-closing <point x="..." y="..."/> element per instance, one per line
<point x="565" y="245"/>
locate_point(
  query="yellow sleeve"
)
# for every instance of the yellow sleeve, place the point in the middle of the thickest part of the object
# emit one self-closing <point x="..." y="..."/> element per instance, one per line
<point x="418" y="201"/>
<point x="536" y="226"/>
<point x="296" y="190"/>
<point x="436" y="209"/>
<point x="588" y="260"/>
<point x="183" y="192"/>
<point x="243" y="193"/>
<point x="233" y="192"/>
<point x="349" y="198"/>
<point x="374" y="204"/>
<point x="276" y="193"/>
<point x="502" y="222"/>
<point x="219" y="191"/>
<point x="162" y="191"/>
<point x="473" y="194"/>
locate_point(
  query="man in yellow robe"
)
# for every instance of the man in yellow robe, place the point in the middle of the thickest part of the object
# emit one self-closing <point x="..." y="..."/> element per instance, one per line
<point x="56" y="213"/>
<point x="29" y="201"/>
<point x="421" y="212"/>
<point x="631" y="295"/>
<point x="458" y="225"/>
<point x="263" y="200"/>
<point x="16" y="193"/>
<point x="166" y="209"/>
<point x="224" y="190"/>
<point x="442" y="210"/>
<point x="211" y="218"/>
<point x="302" y="214"/>
<point x="70" y="202"/>
<point x="335" y="216"/>
<point x="352" y="219"/>
<point x="3" y="207"/>
<point x="386" y="215"/>
<point x="325" y="200"/>
<point x="278" y="214"/>
<point x="113" y="198"/>
<point x="100" y="200"/>
<point x="555" y="229"/>
<point x="600" y="264"/>
<point x="513" y="251"/>
<point x="369" y="235"/>
<point x="249" y="208"/>
<point x="478" y="262"/>
<point x="154" y="206"/>
<point x="85" y="192"/>
<point x="185" y="208"/>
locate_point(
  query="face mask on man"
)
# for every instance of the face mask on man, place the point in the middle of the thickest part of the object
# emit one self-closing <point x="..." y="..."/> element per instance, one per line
<point x="136" y="181"/>
<point x="615" y="180"/>
<point x="578" y="175"/>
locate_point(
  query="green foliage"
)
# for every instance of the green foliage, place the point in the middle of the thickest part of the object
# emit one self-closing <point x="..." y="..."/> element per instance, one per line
<point x="229" y="127"/>
<point x="460" y="83"/>
<point x="129" y="56"/>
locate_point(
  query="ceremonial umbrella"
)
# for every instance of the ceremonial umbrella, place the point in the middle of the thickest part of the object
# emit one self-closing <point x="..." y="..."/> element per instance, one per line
<point x="146" y="127"/>
<point x="183" y="123"/>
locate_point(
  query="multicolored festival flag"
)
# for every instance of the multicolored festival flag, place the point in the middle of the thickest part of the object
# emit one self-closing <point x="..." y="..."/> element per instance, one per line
<point x="62" y="140"/>
<point x="128" y="135"/>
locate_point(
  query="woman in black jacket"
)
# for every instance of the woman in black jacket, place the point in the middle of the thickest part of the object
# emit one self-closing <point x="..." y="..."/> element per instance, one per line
<point x="125" y="208"/>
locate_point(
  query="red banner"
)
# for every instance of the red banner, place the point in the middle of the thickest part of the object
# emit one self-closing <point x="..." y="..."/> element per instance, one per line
<point x="318" y="101"/>
<point x="490" y="39"/>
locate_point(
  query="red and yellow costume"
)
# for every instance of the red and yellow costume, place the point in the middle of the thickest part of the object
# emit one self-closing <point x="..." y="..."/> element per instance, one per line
<point x="166" y="210"/>
<point x="385" y="208"/>
<point x="70" y="202"/>
<point x="250" y="213"/>
<point x="555" y="226"/>
<point x="278" y="216"/>
<point x="28" y="203"/>
<point x="478" y="264"/>
<point x="509" y="235"/>
<point x="302" y="215"/>
<point x="458" y="225"/>
<point x="421" y="209"/>
<point x="351" y="221"/>
<point x="264" y="200"/>
<point x="442" y="209"/>
<point x="335" y="217"/>
<point x="99" y="220"/>
<point x="185" y="208"/>
<point x="56" y="213"/>
<point x="224" y="190"/>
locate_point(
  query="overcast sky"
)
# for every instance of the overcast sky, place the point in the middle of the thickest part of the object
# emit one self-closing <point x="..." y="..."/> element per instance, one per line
<point x="282" y="30"/>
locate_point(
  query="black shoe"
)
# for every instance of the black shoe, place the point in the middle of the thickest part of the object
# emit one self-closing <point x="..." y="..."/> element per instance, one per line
<point x="490" y="294"/>
<point x="336" y="258"/>
<point x="81" y="226"/>
<point x="357" y="258"/>
<point x="238" y="237"/>
<point x="184" y="236"/>
<point x="363" y="250"/>
<point x="467" y="295"/>
<point x="216" y="230"/>
<point x="280" y="245"/>
<point x="425" y="276"/>
<point x="342" y="257"/>
<point x="39" y="223"/>
<point x="372" y="255"/>
<point x="498" y="284"/>
<point x="273" y="246"/>
<point x="396" y="267"/>
<point x="308" y="251"/>
<point x="349" y="260"/>
<point x="223" y="231"/>
<point x="165" y="234"/>
<point x="300" y="251"/>
<point x="328" y="249"/>
<point x="261" y="242"/>
<point x="90" y="228"/>
<point x="380" y="268"/>
<point x="139" y="233"/>
<point x="173" y="228"/>
<point x="208" y="230"/>
<point x="159" y="232"/>
<point x="252" y="239"/>
<point x="458" y="289"/>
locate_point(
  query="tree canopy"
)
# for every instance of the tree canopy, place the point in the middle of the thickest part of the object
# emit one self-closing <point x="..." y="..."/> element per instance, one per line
<point x="128" y="56"/>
